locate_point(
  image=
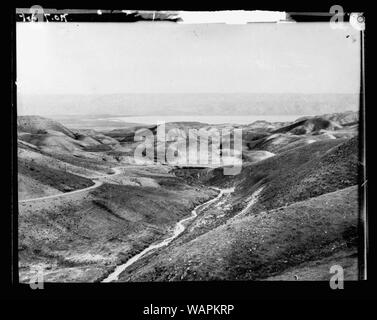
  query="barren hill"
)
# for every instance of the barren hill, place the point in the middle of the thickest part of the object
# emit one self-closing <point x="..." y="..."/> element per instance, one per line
<point x="258" y="246"/>
<point x="40" y="125"/>
<point x="309" y="126"/>
<point x="297" y="174"/>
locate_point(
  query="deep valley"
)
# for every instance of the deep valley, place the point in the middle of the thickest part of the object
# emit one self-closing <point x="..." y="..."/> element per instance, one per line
<point x="86" y="207"/>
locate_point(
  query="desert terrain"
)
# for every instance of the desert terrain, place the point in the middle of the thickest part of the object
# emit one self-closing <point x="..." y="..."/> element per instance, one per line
<point x="86" y="208"/>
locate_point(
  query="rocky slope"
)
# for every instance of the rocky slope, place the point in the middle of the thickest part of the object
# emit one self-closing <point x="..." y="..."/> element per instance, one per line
<point x="258" y="246"/>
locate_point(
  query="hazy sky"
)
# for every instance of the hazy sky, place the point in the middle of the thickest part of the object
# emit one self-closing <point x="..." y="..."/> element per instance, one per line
<point x="153" y="57"/>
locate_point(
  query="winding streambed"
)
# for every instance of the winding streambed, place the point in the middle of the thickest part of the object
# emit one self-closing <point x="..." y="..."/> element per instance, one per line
<point x="179" y="228"/>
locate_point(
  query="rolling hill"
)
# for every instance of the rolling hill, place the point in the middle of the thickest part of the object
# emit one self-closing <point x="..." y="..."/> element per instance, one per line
<point x="53" y="159"/>
<point x="41" y="125"/>
<point x="294" y="175"/>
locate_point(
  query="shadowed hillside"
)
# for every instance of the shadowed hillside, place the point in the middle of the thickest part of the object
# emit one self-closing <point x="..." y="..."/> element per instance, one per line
<point x="53" y="159"/>
<point x="311" y="125"/>
<point x="302" y="132"/>
<point x="41" y="125"/>
<point x="255" y="247"/>
<point x="295" y="175"/>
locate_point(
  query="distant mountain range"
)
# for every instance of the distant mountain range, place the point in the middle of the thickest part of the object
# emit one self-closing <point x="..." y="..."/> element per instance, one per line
<point x="187" y="104"/>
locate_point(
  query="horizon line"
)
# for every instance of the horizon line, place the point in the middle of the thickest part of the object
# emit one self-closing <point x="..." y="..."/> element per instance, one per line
<point x="151" y="93"/>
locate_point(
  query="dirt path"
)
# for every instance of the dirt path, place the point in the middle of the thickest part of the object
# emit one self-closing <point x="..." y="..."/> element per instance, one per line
<point x="97" y="184"/>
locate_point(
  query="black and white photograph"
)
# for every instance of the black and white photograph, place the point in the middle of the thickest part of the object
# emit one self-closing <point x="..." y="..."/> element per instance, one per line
<point x="182" y="146"/>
